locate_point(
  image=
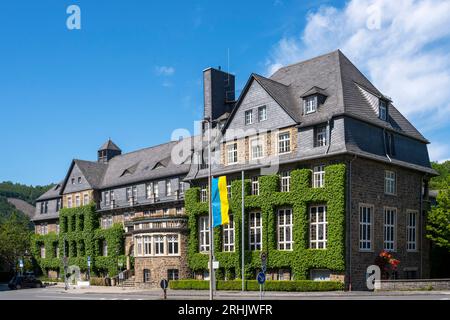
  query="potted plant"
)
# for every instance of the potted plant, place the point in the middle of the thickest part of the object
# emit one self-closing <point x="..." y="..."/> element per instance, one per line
<point x="387" y="263"/>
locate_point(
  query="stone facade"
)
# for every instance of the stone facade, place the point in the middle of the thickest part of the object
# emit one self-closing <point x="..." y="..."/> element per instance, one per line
<point x="367" y="187"/>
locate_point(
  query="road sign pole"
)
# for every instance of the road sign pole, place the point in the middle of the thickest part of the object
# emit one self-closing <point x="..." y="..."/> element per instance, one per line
<point x="260" y="292"/>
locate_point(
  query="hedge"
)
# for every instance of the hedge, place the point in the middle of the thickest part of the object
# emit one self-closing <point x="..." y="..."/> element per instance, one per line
<point x="252" y="285"/>
<point x="301" y="259"/>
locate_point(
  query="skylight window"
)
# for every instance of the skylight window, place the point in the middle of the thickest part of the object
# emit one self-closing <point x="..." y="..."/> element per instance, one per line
<point x="383" y="110"/>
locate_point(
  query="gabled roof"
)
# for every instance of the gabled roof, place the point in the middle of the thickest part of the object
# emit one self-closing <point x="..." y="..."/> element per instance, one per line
<point x="341" y="81"/>
<point x="109" y="145"/>
<point x="52" y="193"/>
<point x="92" y="171"/>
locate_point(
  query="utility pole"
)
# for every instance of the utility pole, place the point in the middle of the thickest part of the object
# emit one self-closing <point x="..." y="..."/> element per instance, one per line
<point x="211" y="236"/>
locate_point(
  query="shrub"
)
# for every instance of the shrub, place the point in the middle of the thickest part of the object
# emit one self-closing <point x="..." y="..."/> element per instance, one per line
<point x="252" y="285"/>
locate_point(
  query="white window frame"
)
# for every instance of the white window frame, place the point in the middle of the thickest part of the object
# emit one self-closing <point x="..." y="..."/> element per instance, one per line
<point x="285" y="181"/>
<point x="138" y="246"/>
<point x="390" y="229"/>
<point x="147" y="245"/>
<point x="149" y="190"/>
<point x="159" y="245"/>
<point x="42" y="251"/>
<point x="255" y="185"/>
<point x="314" y="241"/>
<point x="319" y="176"/>
<point x="366" y="216"/>
<point x="228" y="235"/>
<point x="86" y="199"/>
<point x="284" y="144"/>
<point x="156" y="189"/>
<point x="173" y="242"/>
<point x="203" y="230"/>
<point x="321" y="136"/>
<point x="390" y="182"/>
<point x="260" y="151"/>
<point x="232" y="153"/>
<point x="168" y="188"/>
<point x="255" y="228"/>
<point x="77" y="201"/>
<point x="412" y="230"/>
<point x="285" y="225"/>
<point x="248" y="115"/>
<point x="310" y="104"/>
<point x="104" y="248"/>
<point x="204" y="194"/>
<point x="262" y="113"/>
<point x="69" y="202"/>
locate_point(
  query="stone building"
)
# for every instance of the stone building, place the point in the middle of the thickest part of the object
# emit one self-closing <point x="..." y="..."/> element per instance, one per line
<point x="352" y="178"/>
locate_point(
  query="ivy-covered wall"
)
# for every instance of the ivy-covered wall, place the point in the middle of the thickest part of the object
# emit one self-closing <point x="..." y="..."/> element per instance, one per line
<point x="301" y="259"/>
<point x="79" y="230"/>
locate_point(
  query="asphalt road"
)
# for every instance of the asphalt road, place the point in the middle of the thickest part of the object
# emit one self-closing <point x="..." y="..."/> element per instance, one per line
<point x="58" y="293"/>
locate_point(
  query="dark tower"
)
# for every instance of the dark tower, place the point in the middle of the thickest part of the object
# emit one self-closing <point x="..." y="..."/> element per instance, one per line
<point x="108" y="151"/>
<point x="218" y="93"/>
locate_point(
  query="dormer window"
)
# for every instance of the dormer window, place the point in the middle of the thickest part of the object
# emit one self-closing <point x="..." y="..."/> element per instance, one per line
<point x="382" y="110"/>
<point x="310" y="104"/>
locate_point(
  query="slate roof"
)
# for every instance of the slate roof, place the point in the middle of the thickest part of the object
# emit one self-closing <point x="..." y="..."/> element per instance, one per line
<point x="109" y="145"/>
<point x="144" y="166"/>
<point x="339" y="79"/>
<point x="92" y="171"/>
<point x="53" y="193"/>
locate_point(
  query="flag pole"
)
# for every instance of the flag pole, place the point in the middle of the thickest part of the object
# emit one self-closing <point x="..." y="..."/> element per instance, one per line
<point x="211" y="230"/>
<point x="242" y="234"/>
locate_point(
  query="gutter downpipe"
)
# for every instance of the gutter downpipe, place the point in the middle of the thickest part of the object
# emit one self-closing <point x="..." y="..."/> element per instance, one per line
<point x="329" y="134"/>
<point x="349" y="222"/>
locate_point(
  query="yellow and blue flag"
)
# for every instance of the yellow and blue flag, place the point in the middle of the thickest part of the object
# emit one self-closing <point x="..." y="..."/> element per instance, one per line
<point x="220" y="201"/>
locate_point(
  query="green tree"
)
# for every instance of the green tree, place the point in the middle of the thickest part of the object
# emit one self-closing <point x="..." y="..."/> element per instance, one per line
<point x="438" y="227"/>
<point x="15" y="238"/>
<point x="443" y="169"/>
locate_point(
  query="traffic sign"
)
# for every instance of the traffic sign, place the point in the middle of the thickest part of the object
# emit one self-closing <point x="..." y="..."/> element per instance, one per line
<point x="261" y="278"/>
<point x="164" y="284"/>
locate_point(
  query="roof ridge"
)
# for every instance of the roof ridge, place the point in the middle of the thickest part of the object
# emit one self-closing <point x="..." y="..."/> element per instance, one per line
<point x="146" y="148"/>
<point x="308" y="60"/>
<point x="265" y="78"/>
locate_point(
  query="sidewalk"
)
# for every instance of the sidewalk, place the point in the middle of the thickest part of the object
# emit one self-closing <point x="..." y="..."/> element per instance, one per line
<point x="201" y="293"/>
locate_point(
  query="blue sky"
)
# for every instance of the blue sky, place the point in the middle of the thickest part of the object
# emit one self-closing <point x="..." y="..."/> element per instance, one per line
<point x="134" y="70"/>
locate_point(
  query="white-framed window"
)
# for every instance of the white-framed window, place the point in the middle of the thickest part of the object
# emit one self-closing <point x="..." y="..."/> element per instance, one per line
<point x="284" y="142"/>
<point x="147" y="245"/>
<point x="256" y="148"/>
<point x="85" y="199"/>
<point x="107" y="198"/>
<point x="158" y="242"/>
<point x="255" y="186"/>
<point x="285" y="181"/>
<point x="105" y="248"/>
<point x="232" y="153"/>
<point x="320" y="138"/>
<point x="248" y="117"/>
<point x="181" y="187"/>
<point x="42" y="251"/>
<point x="77" y="200"/>
<point x="204" y="193"/>
<point x="203" y="227"/>
<point x="69" y="202"/>
<point x="58" y="204"/>
<point x="107" y="222"/>
<point x="310" y="104"/>
<point x="147" y="275"/>
<point x="44" y="228"/>
<point x="389" y="232"/>
<point x="365" y="227"/>
<point x="228" y="236"/>
<point x="57" y="228"/>
<point x="285" y="226"/>
<point x="255" y="234"/>
<point x="168" y="188"/>
<point x="318" y="227"/>
<point x="156" y="189"/>
<point x="179" y="211"/>
<point x="411" y="230"/>
<point x="390" y="183"/>
<point x="319" y="176"/>
<point x="383" y="110"/>
<point x="165" y="212"/>
<point x="138" y="246"/>
<point x="132" y="193"/>
<point x="172" y="243"/>
<point x="229" y="192"/>
<point x="262" y="113"/>
<point x="172" y="274"/>
<point x="320" y="275"/>
<point x="149" y="190"/>
<point x="79" y="180"/>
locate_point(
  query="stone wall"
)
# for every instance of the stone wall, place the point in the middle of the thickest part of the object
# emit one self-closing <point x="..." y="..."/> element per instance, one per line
<point x="368" y="188"/>
<point x="422" y="284"/>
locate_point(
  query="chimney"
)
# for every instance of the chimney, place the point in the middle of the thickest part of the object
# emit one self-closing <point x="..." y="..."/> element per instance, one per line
<point x="218" y="93"/>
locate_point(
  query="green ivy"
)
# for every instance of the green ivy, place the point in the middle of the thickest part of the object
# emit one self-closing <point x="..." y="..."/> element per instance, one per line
<point x="301" y="259"/>
<point x="79" y="228"/>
